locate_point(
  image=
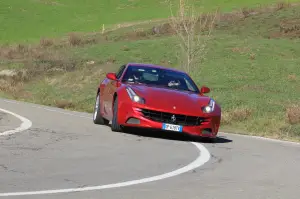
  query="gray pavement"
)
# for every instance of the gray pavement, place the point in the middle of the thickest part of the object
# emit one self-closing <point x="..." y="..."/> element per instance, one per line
<point x="64" y="149"/>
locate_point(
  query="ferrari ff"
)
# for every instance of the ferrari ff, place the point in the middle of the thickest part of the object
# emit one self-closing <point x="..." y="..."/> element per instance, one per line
<point x="156" y="97"/>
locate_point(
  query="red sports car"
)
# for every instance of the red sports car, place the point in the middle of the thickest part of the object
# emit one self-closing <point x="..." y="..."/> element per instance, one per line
<point x="156" y="97"/>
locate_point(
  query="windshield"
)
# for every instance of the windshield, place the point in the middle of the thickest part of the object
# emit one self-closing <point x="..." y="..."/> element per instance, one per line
<point x="159" y="77"/>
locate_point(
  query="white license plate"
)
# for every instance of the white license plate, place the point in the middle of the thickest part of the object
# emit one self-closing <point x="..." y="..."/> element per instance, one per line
<point x="172" y="127"/>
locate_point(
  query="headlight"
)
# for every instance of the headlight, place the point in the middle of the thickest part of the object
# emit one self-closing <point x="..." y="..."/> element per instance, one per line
<point x="210" y="107"/>
<point x="134" y="97"/>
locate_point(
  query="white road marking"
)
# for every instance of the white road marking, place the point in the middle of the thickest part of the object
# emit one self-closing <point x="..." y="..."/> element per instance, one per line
<point x="26" y="124"/>
<point x="203" y="157"/>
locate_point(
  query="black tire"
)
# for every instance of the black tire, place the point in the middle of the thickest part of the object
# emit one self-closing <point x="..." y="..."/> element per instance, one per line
<point x="114" y="123"/>
<point x="97" y="117"/>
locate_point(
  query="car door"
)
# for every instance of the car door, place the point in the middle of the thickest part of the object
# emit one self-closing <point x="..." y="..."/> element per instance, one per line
<point x="111" y="89"/>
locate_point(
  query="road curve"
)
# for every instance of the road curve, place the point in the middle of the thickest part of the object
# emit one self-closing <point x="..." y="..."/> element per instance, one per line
<point x="64" y="150"/>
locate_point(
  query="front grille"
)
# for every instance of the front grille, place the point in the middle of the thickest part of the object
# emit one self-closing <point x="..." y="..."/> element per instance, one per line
<point x="164" y="117"/>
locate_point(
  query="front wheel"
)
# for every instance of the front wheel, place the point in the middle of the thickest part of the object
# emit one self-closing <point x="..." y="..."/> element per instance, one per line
<point x="114" y="123"/>
<point x="97" y="117"/>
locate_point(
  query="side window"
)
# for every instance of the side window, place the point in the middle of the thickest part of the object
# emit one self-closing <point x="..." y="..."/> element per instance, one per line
<point x="120" y="72"/>
<point x="190" y="87"/>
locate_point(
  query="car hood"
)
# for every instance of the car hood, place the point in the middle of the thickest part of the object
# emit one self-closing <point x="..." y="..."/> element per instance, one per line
<point x="165" y="99"/>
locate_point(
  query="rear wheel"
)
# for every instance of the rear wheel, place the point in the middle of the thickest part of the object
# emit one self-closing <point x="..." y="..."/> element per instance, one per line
<point x="114" y="123"/>
<point x="97" y="117"/>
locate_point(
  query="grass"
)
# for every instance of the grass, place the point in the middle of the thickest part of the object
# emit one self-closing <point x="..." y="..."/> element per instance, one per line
<point x="35" y="19"/>
<point x="252" y="66"/>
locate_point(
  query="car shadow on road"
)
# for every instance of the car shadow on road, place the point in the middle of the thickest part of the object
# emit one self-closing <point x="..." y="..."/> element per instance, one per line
<point x="172" y="136"/>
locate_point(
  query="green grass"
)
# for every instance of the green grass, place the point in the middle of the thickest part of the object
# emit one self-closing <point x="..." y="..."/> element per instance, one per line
<point x="254" y="76"/>
<point x="29" y="20"/>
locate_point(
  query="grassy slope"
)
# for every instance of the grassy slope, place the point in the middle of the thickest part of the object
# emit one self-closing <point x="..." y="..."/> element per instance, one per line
<point x="34" y="19"/>
<point x="253" y="78"/>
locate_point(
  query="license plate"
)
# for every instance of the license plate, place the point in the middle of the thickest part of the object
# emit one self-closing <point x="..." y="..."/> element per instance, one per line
<point x="172" y="127"/>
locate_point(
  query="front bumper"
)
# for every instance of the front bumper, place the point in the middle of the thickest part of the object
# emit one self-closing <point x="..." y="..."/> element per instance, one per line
<point x="131" y="116"/>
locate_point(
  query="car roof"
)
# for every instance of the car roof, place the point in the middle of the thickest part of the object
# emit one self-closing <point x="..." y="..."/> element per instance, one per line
<point x="155" y="66"/>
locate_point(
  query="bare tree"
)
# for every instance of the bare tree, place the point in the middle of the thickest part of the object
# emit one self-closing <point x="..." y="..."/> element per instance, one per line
<point x="193" y="31"/>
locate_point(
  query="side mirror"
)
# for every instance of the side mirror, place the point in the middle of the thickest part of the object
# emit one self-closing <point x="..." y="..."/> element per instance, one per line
<point x="204" y="89"/>
<point x="111" y="76"/>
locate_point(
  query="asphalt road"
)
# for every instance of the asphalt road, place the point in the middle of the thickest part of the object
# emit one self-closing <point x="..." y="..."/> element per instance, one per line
<point x="64" y="150"/>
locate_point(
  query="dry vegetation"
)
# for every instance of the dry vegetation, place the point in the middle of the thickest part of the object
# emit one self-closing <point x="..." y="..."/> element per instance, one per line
<point x="65" y="104"/>
<point x="187" y="25"/>
<point x="293" y="114"/>
<point x="237" y="114"/>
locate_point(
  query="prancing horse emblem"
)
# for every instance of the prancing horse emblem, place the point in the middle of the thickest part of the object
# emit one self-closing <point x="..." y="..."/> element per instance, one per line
<point x="173" y="118"/>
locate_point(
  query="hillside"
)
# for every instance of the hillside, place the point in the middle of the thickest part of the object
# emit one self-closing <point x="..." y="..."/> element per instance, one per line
<point x="30" y="20"/>
<point x="252" y="62"/>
